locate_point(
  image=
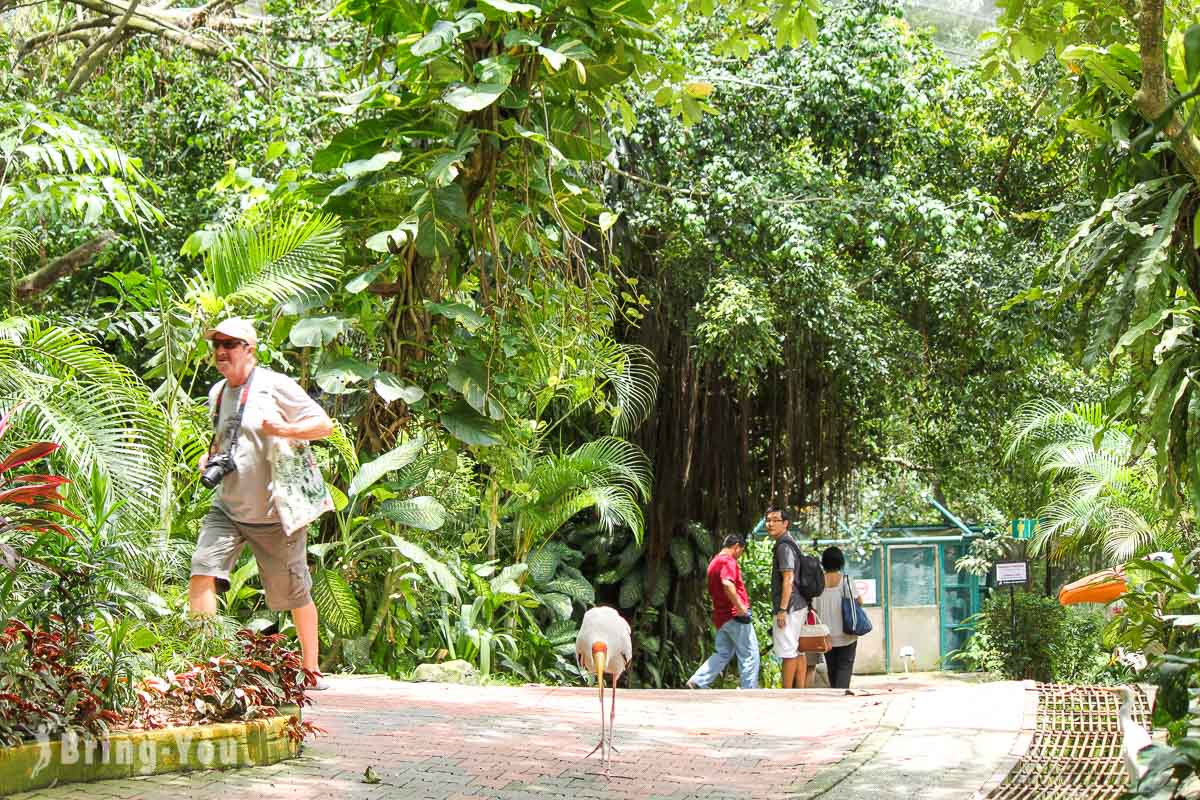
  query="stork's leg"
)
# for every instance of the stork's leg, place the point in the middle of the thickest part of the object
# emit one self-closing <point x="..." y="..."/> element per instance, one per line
<point x="612" y="713"/>
<point x="600" y="745"/>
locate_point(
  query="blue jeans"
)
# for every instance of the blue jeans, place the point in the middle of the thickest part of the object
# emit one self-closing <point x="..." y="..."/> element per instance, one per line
<point x="733" y="638"/>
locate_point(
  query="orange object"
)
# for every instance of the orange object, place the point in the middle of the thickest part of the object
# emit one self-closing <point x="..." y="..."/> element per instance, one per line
<point x="1100" y="587"/>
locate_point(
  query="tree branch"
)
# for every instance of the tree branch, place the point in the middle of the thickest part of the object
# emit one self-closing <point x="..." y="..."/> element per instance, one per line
<point x="1151" y="98"/>
<point x="37" y="282"/>
<point x="164" y="23"/>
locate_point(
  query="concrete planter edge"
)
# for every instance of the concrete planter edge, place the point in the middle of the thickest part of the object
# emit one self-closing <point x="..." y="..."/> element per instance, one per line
<point x="127" y="754"/>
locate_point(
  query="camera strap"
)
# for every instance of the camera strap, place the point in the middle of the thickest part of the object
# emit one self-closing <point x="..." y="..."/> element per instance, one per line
<point x="237" y="420"/>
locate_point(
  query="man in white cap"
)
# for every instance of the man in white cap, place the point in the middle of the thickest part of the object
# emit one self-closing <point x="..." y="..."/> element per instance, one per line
<point x="249" y="407"/>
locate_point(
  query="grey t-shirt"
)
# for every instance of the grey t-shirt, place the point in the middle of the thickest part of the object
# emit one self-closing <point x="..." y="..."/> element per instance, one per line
<point x="246" y="494"/>
<point x="785" y="559"/>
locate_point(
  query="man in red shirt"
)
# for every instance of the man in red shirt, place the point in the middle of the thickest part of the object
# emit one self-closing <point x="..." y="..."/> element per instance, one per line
<point x="731" y="616"/>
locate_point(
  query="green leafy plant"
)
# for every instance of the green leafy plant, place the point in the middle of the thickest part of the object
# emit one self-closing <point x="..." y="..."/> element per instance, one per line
<point x="1044" y="643"/>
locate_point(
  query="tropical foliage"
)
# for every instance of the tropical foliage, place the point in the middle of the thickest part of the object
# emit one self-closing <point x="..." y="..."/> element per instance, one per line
<point x="584" y="286"/>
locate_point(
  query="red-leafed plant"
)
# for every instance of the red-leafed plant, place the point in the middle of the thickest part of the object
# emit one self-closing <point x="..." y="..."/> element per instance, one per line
<point x="26" y="500"/>
<point x="267" y="675"/>
<point x="41" y="693"/>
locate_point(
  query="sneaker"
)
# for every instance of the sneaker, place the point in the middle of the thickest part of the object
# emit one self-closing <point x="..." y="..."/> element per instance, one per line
<point x="320" y="686"/>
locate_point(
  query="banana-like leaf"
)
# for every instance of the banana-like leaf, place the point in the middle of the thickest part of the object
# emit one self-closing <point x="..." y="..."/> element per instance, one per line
<point x="336" y="603"/>
<point x="631" y="589"/>
<point x="372" y="471"/>
<point x="681" y="556"/>
<point x="578" y="589"/>
<point x="423" y="513"/>
<point x="559" y="604"/>
<point x="438" y="572"/>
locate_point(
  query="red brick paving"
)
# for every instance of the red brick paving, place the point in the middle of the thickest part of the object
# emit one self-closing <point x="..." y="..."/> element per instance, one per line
<point x="455" y="742"/>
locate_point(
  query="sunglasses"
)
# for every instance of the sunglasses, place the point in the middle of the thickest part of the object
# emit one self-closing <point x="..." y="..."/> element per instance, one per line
<point x="226" y="344"/>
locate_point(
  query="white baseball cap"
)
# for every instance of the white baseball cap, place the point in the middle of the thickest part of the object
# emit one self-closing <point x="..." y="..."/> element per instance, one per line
<point x="235" y="328"/>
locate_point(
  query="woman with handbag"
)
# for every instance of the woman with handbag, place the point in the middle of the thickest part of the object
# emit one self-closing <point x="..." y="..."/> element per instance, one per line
<point x="829" y="606"/>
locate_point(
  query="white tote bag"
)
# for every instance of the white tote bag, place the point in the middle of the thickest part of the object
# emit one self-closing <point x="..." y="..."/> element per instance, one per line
<point x="299" y="488"/>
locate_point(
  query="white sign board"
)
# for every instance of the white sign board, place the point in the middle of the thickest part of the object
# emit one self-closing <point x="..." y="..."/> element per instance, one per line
<point x="1011" y="573"/>
<point x="866" y="590"/>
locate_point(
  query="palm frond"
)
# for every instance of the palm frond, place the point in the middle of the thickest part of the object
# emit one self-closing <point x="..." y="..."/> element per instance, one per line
<point x="631" y="372"/>
<point x="78" y="396"/>
<point x="275" y="261"/>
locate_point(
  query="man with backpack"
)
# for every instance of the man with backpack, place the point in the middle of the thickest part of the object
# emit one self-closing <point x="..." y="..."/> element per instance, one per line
<point x="795" y="580"/>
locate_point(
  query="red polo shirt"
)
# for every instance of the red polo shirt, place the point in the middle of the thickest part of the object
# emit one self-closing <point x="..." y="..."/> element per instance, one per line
<point x="722" y="568"/>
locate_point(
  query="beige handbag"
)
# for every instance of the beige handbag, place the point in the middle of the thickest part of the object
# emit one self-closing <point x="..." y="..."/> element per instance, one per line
<point x="814" y="635"/>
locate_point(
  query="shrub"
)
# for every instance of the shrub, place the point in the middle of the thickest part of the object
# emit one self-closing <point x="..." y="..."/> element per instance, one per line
<point x="1047" y="643"/>
<point x="252" y="686"/>
<point x="41" y="694"/>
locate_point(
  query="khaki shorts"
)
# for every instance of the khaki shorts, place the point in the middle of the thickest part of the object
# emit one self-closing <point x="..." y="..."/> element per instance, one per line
<point x="282" y="559"/>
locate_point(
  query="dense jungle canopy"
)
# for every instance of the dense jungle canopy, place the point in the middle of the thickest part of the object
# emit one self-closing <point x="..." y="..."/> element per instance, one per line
<point x="587" y="283"/>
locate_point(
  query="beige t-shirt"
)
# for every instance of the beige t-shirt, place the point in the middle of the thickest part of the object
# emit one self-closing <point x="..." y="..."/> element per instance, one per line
<point x="246" y="494"/>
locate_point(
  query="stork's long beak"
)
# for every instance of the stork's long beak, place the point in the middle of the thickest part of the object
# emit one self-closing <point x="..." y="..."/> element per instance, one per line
<point x="598" y="658"/>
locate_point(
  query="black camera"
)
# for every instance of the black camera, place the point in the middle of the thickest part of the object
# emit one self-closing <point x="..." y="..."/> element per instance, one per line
<point x="216" y="469"/>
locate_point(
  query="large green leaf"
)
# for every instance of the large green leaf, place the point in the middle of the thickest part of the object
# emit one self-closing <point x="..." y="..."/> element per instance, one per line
<point x="543" y="563"/>
<point x="505" y="7"/>
<point x="438" y="572"/>
<point x="424" y="513"/>
<point x="559" y="604"/>
<point x="577" y="588"/>
<point x="468" y="427"/>
<point x="461" y="313"/>
<point x="317" y="331"/>
<point x="681" y="556"/>
<point x="339" y="374"/>
<point x="336" y="603"/>
<point x="469" y="378"/>
<point x="439" y="212"/>
<point x="372" y="471"/>
<point x="474" y="97"/>
<point x="631" y="590"/>
<point x="390" y="388"/>
<point x="445" y="32"/>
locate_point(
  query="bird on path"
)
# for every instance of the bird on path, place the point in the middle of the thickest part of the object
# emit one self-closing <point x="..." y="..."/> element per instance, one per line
<point x="604" y="647"/>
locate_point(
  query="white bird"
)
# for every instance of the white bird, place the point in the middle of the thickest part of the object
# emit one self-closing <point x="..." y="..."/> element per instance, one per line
<point x="1133" y="737"/>
<point x="604" y="647"/>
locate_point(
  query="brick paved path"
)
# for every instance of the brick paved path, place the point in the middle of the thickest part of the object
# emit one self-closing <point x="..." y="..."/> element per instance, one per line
<point x="450" y="742"/>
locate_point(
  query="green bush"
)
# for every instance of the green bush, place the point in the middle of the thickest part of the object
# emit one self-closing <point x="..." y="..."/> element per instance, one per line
<point x="1047" y="643"/>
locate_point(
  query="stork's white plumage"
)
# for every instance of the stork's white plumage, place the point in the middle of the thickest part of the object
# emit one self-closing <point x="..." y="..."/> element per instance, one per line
<point x="1133" y="737"/>
<point x="604" y="647"/>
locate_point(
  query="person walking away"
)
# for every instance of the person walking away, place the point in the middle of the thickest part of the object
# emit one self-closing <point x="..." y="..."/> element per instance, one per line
<point x="731" y="617"/>
<point x="249" y="408"/>
<point x="840" y="660"/>
<point x="788" y="605"/>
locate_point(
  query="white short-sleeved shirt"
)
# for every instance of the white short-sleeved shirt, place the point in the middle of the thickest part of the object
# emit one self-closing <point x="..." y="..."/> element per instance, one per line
<point x="246" y="494"/>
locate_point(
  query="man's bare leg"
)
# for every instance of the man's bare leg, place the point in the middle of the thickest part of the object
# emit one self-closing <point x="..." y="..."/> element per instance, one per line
<point x="202" y="595"/>
<point x="305" y="618"/>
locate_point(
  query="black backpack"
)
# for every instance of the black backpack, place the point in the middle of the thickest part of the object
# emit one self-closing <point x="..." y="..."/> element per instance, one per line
<point x="808" y="579"/>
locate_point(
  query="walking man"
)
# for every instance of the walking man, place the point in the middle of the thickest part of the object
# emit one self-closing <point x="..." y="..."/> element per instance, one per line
<point x="731" y="616"/>
<point x="788" y="605"/>
<point x="250" y="407"/>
